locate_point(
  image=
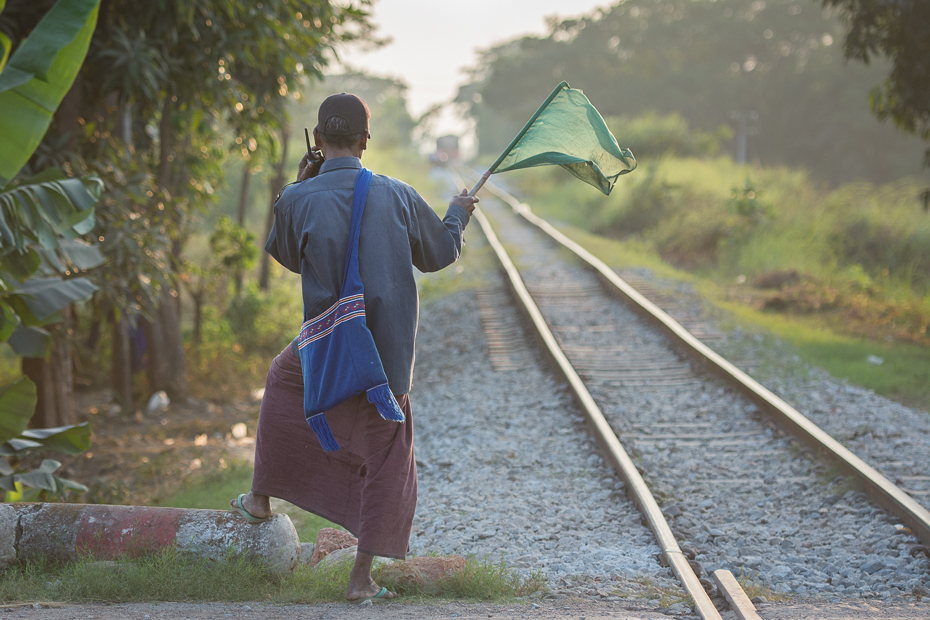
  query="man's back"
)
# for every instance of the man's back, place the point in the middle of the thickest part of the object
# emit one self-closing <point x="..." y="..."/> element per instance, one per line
<point x="399" y="230"/>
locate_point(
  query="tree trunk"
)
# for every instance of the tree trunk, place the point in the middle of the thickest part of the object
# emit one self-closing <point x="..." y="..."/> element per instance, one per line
<point x="121" y="368"/>
<point x="243" y="207"/>
<point x="54" y="381"/>
<point x="197" y="298"/>
<point x="244" y="193"/>
<point x="166" y="368"/>
<point x="164" y="144"/>
<point x="166" y="349"/>
<point x="276" y="185"/>
<point x="54" y="377"/>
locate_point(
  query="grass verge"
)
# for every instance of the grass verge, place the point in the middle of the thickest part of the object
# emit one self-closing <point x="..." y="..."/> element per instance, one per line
<point x="173" y="576"/>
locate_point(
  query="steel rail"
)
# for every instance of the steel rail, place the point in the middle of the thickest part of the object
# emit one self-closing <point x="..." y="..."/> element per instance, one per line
<point x="638" y="490"/>
<point x="879" y="488"/>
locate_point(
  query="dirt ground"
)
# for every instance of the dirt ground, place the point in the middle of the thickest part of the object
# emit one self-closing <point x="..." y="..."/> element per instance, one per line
<point x="546" y="610"/>
<point x="140" y="457"/>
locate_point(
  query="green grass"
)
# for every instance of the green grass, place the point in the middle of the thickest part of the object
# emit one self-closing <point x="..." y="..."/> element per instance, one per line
<point x="904" y="375"/>
<point x="214" y="489"/>
<point x="173" y="576"/>
<point x="753" y="588"/>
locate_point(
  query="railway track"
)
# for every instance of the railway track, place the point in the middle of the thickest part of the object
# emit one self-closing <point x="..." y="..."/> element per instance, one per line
<point x="733" y="466"/>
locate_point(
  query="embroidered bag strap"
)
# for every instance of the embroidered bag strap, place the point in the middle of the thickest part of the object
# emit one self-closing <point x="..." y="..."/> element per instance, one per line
<point x="351" y="280"/>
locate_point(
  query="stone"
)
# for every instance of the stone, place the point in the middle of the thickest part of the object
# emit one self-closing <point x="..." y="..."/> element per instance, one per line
<point x="339" y="556"/>
<point x="306" y="552"/>
<point x="8" y="523"/>
<point x="422" y="571"/>
<point x="158" y="402"/>
<point x="109" y="532"/>
<point x="672" y="511"/>
<point x="872" y="566"/>
<point x="328" y="540"/>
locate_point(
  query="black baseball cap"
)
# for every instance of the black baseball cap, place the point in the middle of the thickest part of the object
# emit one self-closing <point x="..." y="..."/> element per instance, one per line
<point x="351" y="108"/>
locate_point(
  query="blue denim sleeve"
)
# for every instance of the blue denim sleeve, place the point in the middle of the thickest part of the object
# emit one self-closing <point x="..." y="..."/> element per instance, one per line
<point x="283" y="244"/>
<point x="434" y="243"/>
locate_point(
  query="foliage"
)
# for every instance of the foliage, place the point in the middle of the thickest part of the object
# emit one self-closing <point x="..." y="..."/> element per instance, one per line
<point x="169" y="90"/>
<point x="897" y="30"/>
<point x="20" y="482"/>
<point x="651" y="136"/>
<point x="859" y="252"/>
<point x="233" y="247"/>
<point x="41" y="219"/>
<point x="238" y="344"/>
<point x="703" y="60"/>
<point x="175" y="576"/>
<point x="37" y="77"/>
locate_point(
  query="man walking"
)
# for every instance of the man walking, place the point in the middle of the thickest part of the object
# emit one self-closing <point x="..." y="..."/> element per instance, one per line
<point x="368" y="486"/>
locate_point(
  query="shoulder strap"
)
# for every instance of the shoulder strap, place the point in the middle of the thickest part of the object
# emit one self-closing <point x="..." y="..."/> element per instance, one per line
<point x="351" y="280"/>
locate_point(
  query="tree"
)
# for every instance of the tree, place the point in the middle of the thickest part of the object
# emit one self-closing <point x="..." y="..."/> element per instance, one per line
<point x="170" y="89"/>
<point x="704" y="60"/>
<point x="899" y="30"/>
<point x="232" y="253"/>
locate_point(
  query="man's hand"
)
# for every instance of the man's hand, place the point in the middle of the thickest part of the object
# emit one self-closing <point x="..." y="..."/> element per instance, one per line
<point x="309" y="165"/>
<point x="465" y="201"/>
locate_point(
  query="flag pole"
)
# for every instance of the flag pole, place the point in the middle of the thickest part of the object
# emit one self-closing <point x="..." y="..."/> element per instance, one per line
<point x="520" y="135"/>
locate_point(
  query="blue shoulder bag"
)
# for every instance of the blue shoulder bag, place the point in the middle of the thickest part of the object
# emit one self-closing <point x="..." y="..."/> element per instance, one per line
<point x="337" y="354"/>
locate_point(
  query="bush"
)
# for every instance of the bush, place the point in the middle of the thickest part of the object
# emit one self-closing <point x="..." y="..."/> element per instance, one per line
<point x="650" y="136"/>
<point x="646" y="204"/>
<point x="264" y="322"/>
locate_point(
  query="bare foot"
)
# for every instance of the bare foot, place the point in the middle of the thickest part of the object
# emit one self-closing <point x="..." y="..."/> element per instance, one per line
<point x="259" y="506"/>
<point x="369" y="590"/>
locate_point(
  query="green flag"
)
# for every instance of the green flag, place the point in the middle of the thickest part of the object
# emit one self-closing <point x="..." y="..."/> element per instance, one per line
<point x="568" y="131"/>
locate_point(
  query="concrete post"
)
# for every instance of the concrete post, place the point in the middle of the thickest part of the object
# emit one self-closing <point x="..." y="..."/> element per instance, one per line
<point x="68" y="531"/>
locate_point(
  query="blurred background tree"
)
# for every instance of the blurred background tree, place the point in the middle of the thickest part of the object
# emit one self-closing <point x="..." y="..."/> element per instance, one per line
<point x="899" y="31"/>
<point x="770" y="70"/>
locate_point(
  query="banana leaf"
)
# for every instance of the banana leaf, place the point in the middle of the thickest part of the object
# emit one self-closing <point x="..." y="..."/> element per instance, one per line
<point x="45" y="207"/>
<point x="73" y="439"/>
<point x="30" y="341"/>
<point x="41" y="478"/>
<point x="8" y="322"/>
<point x="17" y="403"/>
<point x="44" y="298"/>
<point x="37" y="77"/>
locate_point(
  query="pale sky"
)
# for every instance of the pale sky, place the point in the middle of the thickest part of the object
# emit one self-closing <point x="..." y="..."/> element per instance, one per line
<point x="434" y="40"/>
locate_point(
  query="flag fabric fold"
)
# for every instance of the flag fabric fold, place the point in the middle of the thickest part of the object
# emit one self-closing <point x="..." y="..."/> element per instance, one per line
<point x="568" y="131"/>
